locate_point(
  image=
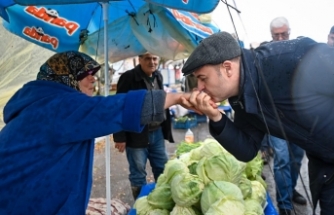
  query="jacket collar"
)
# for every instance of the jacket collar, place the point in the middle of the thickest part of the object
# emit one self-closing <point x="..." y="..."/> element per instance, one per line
<point x="247" y="98"/>
<point x="140" y="74"/>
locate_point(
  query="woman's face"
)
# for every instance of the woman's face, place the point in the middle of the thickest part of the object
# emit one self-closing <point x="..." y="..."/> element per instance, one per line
<point x="86" y="85"/>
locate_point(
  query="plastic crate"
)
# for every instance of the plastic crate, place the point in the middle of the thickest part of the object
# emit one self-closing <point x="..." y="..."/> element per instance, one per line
<point x="190" y="123"/>
<point x="145" y="190"/>
<point x="200" y="118"/>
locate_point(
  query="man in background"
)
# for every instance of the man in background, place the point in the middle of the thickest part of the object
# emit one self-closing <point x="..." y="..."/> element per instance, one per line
<point x="287" y="162"/>
<point x="330" y="38"/>
<point x="190" y="83"/>
<point x="150" y="143"/>
<point x="280" y="29"/>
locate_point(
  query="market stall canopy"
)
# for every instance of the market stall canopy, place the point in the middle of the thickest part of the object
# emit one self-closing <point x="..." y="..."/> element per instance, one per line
<point x="197" y="6"/>
<point x="134" y="27"/>
<point x="168" y="33"/>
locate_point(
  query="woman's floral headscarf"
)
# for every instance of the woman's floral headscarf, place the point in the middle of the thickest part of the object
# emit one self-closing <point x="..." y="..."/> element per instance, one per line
<point x="68" y="68"/>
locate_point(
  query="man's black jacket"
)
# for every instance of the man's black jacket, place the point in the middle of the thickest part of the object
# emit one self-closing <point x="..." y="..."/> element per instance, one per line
<point x="134" y="80"/>
<point x="296" y="77"/>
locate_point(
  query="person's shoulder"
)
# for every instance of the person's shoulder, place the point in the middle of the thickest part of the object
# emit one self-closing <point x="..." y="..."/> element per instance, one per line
<point x="158" y="72"/>
<point x="264" y="43"/>
<point x="130" y="76"/>
<point x="49" y="85"/>
<point x="304" y="44"/>
<point x="302" y="39"/>
<point x="130" y="72"/>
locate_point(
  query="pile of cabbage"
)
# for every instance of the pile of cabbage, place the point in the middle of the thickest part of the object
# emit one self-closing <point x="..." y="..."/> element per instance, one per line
<point x="207" y="180"/>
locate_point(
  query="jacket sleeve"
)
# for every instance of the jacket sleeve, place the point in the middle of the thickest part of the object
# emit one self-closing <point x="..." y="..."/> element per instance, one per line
<point x="239" y="138"/>
<point x="78" y="117"/>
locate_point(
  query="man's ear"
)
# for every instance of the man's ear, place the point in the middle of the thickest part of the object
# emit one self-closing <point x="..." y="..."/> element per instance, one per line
<point x="227" y="64"/>
<point x="227" y="67"/>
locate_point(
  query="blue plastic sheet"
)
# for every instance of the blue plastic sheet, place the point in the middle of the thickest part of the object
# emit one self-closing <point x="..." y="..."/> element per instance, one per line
<point x="269" y="210"/>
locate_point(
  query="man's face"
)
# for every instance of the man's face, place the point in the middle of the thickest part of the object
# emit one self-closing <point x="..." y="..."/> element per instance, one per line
<point x="281" y="33"/>
<point x="149" y="63"/>
<point x="330" y="40"/>
<point x="217" y="81"/>
<point x="86" y="85"/>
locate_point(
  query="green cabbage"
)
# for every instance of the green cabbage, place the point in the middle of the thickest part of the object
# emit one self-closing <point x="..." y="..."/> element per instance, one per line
<point x="259" y="193"/>
<point x="217" y="190"/>
<point x="226" y="207"/>
<point x="162" y="179"/>
<point x="206" y="180"/>
<point x="245" y="186"/>
<point x="184" y="147"/>
<point x="161" y="197"/>
<point x="192" y="168"/>
<point x="186" y="159"/>
<point x="200" y="170"/>
<point x="254" y="167"/>
<point x="178" y="210"/>
<point x="158" y="212"/>
<point x="252" y="207"/>
<point x="142" y="206"/>
<point x="260" y="179"/>
<point x="195" y="154"/>
<point x="222" y="167"/>
<point x="209" y="148"/>
<point x="186" y="189"/>
<point x="174" y="167"/>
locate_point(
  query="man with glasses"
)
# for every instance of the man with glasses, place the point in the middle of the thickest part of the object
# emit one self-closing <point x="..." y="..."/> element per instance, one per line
<point x="280" y="29"/>
<point x="287" y="162"/>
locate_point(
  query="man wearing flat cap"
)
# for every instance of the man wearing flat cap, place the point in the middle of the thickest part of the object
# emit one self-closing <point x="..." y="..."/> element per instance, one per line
<point x="284" y="89"/>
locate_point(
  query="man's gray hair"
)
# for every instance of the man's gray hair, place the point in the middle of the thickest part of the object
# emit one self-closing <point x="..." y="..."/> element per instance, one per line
<point x="332" y="30"/>
<point x="279" y="22"/>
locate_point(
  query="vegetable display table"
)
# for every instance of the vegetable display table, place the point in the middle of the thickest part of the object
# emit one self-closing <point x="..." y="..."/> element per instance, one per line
<point x="269" y="210"/>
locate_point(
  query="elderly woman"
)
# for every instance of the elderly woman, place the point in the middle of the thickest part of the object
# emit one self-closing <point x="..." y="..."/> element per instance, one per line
<point x="46" y="147"/>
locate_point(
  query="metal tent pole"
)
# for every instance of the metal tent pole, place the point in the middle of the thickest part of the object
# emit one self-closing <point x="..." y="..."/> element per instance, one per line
<point x="105" y="6"/>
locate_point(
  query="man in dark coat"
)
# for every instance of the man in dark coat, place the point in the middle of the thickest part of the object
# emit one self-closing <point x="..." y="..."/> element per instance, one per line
<point x="150" y="143"/>
<point x="284" y="89"/>
<point x="287" y="156"/>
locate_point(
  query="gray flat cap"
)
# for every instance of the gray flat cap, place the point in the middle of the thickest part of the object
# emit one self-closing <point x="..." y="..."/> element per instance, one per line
<point x="214" y="49"/>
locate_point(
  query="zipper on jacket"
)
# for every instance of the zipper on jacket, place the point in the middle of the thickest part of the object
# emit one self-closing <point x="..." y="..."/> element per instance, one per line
<point x="238" y="102"/>
<point x="241" y="105"/>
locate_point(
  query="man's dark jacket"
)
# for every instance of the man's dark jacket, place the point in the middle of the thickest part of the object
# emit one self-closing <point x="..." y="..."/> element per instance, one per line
<point x="296" y="77"/>
<point x="134" y="79"/>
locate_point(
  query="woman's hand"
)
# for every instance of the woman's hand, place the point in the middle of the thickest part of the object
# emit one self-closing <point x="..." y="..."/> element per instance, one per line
<point x="203" y="104"/>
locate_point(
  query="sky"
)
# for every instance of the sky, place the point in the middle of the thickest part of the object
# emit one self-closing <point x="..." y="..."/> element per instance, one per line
<point x="309" y="18"/>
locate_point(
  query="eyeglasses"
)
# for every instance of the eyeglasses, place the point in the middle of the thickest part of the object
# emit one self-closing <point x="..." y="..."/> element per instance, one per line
<point x="283" y="35"/>
<point x="151" y="58"/>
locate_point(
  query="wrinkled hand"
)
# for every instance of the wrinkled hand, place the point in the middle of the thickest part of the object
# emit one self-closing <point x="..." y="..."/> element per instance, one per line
<point x="203" y="103"/>
<point x="184" y="102"/>
<point x="176" y="98"/>
<point x="120" y="146"/>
